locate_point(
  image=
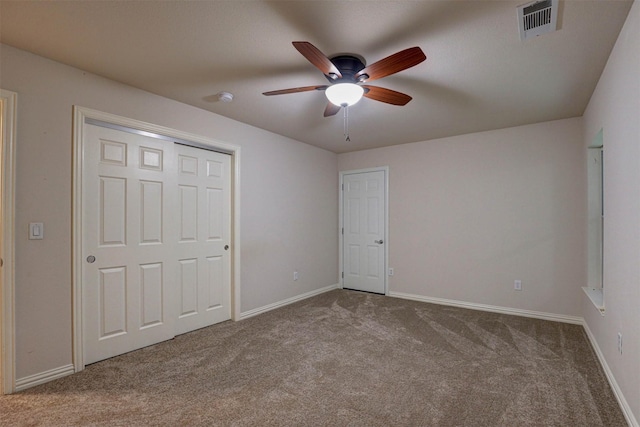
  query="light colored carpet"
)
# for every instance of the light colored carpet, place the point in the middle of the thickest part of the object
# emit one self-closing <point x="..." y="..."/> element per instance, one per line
<point x="342" y="358"/>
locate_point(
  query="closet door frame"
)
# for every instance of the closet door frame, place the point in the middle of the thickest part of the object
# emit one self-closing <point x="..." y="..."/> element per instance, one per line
<point x="83" y="115"/>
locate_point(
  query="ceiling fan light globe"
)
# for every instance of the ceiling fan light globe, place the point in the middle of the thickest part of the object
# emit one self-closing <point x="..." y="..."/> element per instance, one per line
<point x="342" y="94"/>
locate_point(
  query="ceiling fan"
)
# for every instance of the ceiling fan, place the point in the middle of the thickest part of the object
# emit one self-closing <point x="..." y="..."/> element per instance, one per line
<point x="347" y="73"/>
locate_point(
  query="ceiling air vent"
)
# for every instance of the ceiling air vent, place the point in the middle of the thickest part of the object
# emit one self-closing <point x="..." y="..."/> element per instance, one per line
<point x="536" y="18"/>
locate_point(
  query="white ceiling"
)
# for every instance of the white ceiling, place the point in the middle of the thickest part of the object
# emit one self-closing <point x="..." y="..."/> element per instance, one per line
<point x="478" y="74"/>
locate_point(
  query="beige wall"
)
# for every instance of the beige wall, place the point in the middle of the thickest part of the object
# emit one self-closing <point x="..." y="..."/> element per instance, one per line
<point x="289" y="199"/>
<point x="615" y="108"/>
<point x="470" y="214"/>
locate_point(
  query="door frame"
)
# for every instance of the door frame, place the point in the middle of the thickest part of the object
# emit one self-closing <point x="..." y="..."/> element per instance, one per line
<point x="80" y="116"/>
<point x="9" y="109"/>
<point x="384" y="169"/>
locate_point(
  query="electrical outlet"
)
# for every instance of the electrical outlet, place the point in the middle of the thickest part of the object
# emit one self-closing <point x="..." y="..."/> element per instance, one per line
<point x="620" y="342"/>
<point x="295" y="275"/>
<point x="390" y="271"/>
<point x="517" y="285"/>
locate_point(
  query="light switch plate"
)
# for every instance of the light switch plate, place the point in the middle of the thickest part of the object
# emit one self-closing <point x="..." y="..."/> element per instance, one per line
<point x="36" y="231"/>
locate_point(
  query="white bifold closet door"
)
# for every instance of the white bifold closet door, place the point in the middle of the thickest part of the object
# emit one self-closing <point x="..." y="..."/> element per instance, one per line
<point x="156" y="230"/>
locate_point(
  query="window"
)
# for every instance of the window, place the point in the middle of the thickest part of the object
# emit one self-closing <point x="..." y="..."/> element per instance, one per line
<point x="595" y="233"/>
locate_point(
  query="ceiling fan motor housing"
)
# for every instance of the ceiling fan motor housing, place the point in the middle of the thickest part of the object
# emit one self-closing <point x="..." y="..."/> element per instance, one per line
<point x="347" y="72"/>
<point x="348" y="65"/>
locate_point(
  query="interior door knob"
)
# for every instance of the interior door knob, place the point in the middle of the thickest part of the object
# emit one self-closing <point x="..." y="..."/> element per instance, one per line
<point x="378" y="241"/>
<point x="226" y="247"/>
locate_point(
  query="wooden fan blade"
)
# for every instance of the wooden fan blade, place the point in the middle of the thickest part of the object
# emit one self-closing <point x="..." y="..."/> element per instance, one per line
<point x="318" y="59"/>
<point x="331" y="109"/>
<point x="295" y="90"/>
<point x="385" y="95"/>
<point x="391" y="64"/>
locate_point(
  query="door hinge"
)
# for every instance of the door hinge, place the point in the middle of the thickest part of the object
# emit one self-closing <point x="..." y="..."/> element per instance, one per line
<point x="343" y="274"/>
<point x="342" y="230"/>
<point x="342" y="187"/>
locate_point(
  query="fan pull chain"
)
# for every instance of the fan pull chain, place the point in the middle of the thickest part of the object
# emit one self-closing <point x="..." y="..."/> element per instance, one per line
<point x="346" y="123"/>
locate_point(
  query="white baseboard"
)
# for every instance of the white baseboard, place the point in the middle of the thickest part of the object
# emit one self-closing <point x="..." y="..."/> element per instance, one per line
<point x="43" y="377"/>
<point x="269" y="307"/>
<point x="626" y="409"/>
<point x="492" y="308"/>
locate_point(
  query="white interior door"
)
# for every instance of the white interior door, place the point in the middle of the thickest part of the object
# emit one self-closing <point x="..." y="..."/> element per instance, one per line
<point x="364" y="209"/>
<point x="151" y="249"/>
<point x="203" y="212"/>
<point x="127" y="270"/>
